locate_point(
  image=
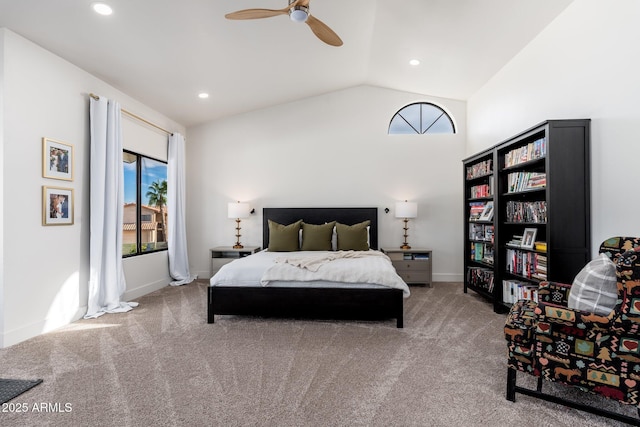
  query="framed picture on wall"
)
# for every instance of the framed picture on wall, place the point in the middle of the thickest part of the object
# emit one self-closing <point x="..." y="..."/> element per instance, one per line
<point x="57" y="206"/>
<point x="57" y="159"/>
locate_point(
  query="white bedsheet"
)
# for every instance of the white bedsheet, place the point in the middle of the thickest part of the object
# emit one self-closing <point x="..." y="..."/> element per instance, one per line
<point x="261" y="269"/>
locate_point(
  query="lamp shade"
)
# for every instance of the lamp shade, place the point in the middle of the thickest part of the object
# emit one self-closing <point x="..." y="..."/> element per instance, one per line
<point x="238" y="210"/>
<point x="406" y="209"/>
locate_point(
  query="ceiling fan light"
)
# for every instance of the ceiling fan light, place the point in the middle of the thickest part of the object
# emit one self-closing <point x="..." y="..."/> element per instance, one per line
<point x="297" y="14"/>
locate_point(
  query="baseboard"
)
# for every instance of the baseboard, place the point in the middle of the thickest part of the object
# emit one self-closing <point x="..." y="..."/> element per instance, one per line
<point x="447" y="277"/>
<point x="145" y="289"/>
<point x="46" y="325"/>
<point x="34" y="329"/>
<point x="203" y="275"/>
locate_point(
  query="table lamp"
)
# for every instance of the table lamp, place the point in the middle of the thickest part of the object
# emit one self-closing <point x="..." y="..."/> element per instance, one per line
<point x="406" y="210"/>
<point x="237" y="211"/>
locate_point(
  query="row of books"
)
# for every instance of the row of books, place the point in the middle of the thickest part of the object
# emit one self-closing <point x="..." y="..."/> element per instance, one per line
<point x="532" y="151"/>
<point x="479" y="169"/>
<point x="482" y="252"/>
<point x="532" y="212"/>
<point x="481" y="211"/>
<point x="483" y="190"/>
<point x="514" y="290"/>
<point x="527" y="264"/>
<point x="481" y="232"/>
<point x="522" y="181"/>
<point x="480" y="278"/>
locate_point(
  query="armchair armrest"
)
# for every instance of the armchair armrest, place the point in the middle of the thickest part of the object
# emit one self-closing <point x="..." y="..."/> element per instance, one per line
<point x="554" y="293"/>
<point x="521" y="322"/>
<point x="570" y="321"/>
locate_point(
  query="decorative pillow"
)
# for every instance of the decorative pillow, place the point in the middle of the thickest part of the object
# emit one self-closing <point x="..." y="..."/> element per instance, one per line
<point x="334" y="238"/>
<point x="594" y="289"/>
<point x="284" y="238"/>
<point x="353" y="237"/>
<point x="317" y="237"/>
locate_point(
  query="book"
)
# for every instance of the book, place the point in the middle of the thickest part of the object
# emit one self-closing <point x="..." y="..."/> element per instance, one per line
<point x="475" y="210"/>
<point x="534" y="150"/>
<point x="515" y="290"/>
<point x="526" y="212"/>
<point x="480" y="169"/>
<point x="523" y="181"/>
<point x="481" y="278"/>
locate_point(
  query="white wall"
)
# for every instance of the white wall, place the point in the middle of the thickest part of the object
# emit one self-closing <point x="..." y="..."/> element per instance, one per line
<point x="585" y="64"/>
<point x="2" y="38"/>
<point x="45" y="269"/>
<point x="333" y="151"/>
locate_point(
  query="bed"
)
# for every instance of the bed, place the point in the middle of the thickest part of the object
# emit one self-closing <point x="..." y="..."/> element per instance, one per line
<point x="243" y="292"/>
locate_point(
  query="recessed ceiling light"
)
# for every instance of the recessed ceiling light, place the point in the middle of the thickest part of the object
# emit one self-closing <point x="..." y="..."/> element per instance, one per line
<point x="414" y="62"/>
<point x="203" y="95"/>
<point x="102" y="8"/>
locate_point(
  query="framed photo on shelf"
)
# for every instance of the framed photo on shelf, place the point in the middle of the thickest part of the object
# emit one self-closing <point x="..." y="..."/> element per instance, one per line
<point x="57" y="206"/>
<point x="529" y="238"/>
<point x="487" y="212"/>
<point x="57" y="159"/>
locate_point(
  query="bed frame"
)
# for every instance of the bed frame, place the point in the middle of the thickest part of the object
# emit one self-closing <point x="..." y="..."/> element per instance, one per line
<point x="317" y="303"/>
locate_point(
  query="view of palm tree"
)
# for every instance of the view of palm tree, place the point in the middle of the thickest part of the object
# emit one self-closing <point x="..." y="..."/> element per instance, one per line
<point x="157" y="196"/>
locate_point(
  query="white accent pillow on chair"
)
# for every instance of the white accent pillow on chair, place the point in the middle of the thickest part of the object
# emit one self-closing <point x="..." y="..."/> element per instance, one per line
<point x="595" y="288"/>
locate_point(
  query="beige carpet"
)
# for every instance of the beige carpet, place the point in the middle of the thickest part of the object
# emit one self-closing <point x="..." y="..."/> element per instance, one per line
<point x="163" y="365"/>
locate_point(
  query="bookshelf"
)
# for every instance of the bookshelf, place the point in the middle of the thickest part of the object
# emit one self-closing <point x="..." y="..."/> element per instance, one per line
<point x="541" y="221"/>
<point x="480" y="202"/>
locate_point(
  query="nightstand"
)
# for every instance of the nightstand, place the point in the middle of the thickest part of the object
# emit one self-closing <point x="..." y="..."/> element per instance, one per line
<point x="222" y="255"/>
<point x="412" y="265"/>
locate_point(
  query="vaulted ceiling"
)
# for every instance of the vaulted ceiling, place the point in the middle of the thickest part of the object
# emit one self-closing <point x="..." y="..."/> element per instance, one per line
<point x="165" y="52"/>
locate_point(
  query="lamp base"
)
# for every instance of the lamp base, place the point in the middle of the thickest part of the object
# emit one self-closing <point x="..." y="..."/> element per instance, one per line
<point x="238" y="246"/>
<point x="405" y="246"/>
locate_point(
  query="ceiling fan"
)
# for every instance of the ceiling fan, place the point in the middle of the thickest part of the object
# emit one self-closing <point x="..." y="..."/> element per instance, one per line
<point x="298" y="11"/>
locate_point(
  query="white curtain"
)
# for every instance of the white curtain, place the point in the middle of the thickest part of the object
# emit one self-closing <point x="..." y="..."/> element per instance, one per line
<point x="176" y="205"/>
<point x="106" y="276"/>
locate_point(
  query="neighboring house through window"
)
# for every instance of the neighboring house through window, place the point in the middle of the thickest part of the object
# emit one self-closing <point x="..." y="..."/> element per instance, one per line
<point x="145" y="205"/>
<point x="421" y="118"/>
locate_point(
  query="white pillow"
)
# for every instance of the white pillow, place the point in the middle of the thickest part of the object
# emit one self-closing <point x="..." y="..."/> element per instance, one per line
<point x="595" y="288"/>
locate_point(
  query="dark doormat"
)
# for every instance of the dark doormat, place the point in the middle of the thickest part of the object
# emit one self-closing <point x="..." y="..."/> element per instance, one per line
<point x="12" y="388"/>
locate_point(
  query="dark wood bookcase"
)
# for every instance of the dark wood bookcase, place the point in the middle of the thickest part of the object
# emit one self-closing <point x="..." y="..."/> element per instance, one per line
<point x="538" y="183"/>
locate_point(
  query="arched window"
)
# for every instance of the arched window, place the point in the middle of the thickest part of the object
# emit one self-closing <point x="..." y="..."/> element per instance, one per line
<point x="420" y="118"/>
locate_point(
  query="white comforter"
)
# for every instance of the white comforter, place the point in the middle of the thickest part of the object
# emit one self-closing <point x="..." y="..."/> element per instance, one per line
<point x="351" y="267"/>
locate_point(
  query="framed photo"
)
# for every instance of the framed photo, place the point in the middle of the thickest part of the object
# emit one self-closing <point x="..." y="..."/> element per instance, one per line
<point x="529" y="238"/>
<point x="57" y="159"/>
<point x="487" y="212"/>
<point x="57" y="206"/>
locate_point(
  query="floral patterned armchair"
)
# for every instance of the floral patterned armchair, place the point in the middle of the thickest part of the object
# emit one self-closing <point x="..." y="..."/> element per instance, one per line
<point x="595" y="353"/>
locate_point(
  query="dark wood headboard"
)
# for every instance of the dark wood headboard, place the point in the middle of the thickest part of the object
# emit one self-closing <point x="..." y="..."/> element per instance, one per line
<point x="348" y="216"/>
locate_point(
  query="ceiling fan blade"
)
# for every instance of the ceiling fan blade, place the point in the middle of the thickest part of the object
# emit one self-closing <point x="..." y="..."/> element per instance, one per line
<point x="262" y="13"/>
<point x="323" y="32"/>
<point x="256" y="13"/>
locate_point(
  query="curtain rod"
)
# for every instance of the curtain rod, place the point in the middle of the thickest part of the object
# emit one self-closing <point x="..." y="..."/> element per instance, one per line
<point x="135" y="116"/>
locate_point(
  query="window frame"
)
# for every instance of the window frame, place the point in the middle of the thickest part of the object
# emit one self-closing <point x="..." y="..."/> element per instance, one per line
<point x="426" y="131"/>
<point x="138" y="202"/>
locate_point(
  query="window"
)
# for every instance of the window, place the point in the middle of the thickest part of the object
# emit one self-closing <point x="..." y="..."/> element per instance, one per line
<point x="421" y="118"/>
<point x="145" y="205"/>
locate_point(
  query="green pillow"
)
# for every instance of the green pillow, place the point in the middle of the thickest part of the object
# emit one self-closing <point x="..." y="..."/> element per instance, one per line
<point x="353" y="237"/>
<point x="284" y="238"/>
<point x="317" y="237"/>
